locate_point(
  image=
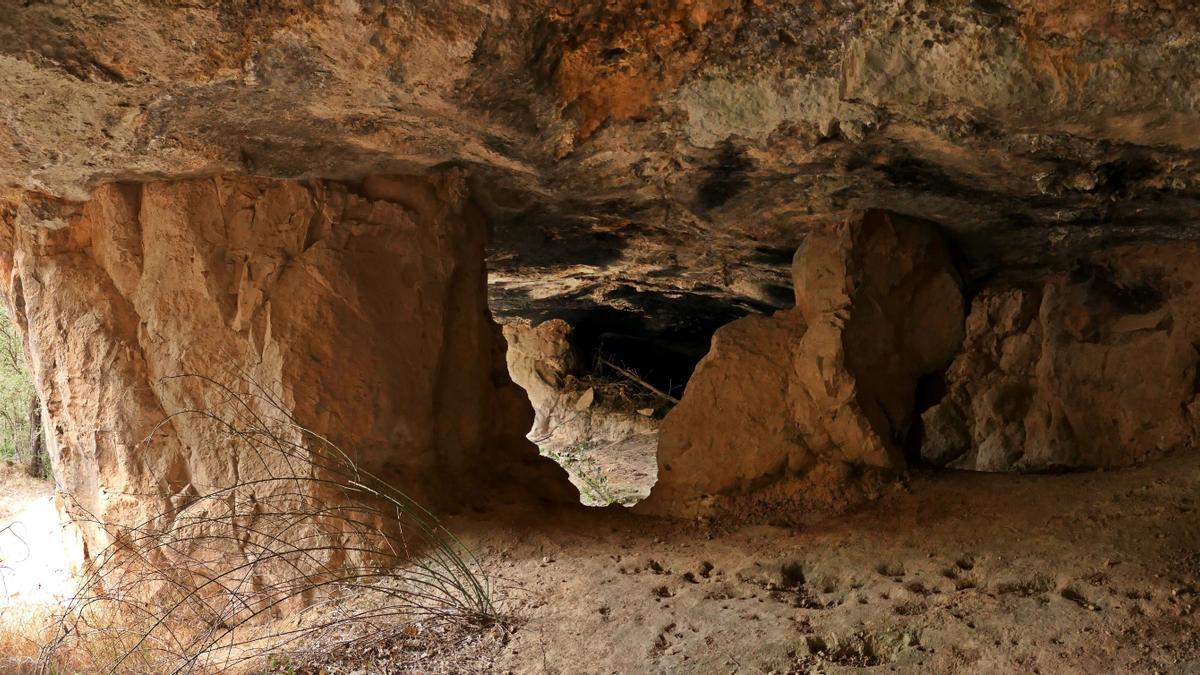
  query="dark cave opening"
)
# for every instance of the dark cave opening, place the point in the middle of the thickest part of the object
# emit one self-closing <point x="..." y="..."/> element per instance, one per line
<point x="601" y="379"/>
<point x="607" y="337"/>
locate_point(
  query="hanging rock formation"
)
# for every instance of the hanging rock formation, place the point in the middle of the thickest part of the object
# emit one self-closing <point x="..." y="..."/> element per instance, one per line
<point x="1096" y="368"/>
<point x="784" y="409"/>
<point x="664" y="157"/>
<point x="359" y="309"/>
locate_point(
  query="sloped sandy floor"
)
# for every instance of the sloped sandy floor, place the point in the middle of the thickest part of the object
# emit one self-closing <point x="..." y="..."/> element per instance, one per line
<point x="613" y="473"/>
<point x="951" y="572"/>
<point x="33" y="567"/>
<point x="34" y="575"/>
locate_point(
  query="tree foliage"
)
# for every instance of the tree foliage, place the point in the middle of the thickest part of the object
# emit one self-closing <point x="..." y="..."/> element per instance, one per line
<point x="18" y="406"/>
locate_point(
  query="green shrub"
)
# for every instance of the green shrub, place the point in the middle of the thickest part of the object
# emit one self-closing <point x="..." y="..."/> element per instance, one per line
<point x="18" y="405"/>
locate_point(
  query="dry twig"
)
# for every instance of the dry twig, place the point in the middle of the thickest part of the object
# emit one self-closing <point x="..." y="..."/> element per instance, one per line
<point x="633" y="377"/>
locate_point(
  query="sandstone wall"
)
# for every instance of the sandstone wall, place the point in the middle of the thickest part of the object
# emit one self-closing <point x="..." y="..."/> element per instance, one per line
<point x="784" y="409"/>
<point x="1096" y="368"/>
<point x="359" y="310"/>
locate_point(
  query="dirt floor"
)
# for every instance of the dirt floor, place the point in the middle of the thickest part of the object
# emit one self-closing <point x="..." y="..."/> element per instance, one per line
<point x="33" y="565"/>
<point x="18" y="489"/>
<point x="948" y="573"/>
<point x="951" y="572"/>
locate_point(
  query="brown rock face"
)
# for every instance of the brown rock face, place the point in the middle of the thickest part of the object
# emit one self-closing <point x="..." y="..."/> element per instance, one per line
<point x="1093" y="369"/>
<point x="660" y="157"/>
<point x="360" y="309"/>
<point x="791" y="403"/>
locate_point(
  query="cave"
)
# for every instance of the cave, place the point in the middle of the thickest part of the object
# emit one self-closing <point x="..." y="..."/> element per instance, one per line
<point x="671" y="336"/>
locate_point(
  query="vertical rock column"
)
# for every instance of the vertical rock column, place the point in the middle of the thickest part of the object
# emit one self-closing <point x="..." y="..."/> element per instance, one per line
<point x="360" y="310"/>
<point x="784" y="410"/>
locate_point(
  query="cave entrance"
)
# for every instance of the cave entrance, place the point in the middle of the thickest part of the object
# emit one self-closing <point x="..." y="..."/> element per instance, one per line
<point x="600" y="381"/>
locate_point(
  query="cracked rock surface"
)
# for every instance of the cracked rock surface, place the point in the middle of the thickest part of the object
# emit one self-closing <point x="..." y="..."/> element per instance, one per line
<point x="661" y="158"/>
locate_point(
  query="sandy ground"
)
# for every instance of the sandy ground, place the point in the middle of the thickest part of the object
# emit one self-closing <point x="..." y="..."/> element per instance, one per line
<point x="33" y="561"/>
<point x="34" y="575"/>
<point x="17" y="490"/>
<point x="33" y="566"/>
<point x="949" y="573"/>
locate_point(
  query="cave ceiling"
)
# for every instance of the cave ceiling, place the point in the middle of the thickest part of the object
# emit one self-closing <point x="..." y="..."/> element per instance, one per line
<point x="657" y="160"/>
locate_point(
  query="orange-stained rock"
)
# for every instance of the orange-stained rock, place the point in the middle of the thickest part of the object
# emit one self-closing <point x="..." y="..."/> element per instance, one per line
<point x="1093" y="369"/>
<point x="785" y="408"/>
<point x="360" y="309"/>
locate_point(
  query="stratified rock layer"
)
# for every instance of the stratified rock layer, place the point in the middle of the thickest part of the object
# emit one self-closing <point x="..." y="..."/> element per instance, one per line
<point x="1092" y="369"/>
<point x="785" y="408"/>
<point x="360" y="310"/>
<point x="663" y="157"/>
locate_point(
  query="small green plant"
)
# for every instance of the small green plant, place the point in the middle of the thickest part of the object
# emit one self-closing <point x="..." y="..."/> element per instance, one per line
<point x="587" y="475"/>
<point x="279" y="664"/>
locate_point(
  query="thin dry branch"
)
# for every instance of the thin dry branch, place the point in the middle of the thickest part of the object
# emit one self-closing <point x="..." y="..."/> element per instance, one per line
<point x="633" y="377"/>
<point x="204" y="585"/>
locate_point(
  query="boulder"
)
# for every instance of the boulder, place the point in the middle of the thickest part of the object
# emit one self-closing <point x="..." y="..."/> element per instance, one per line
<point x="785" y="408"/>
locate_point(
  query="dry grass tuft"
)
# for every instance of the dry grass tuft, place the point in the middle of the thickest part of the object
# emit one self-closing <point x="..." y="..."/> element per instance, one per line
<point x="306" y="560"/>
<point x="24" y="628"/>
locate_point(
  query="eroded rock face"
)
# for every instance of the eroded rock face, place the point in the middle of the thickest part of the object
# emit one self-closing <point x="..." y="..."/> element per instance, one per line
<point x="1096" y="368"/>
<point x="663" y="157"/>
<point x="662" y="160"/>
<point x="786" y="408"/>
<point x="360" y="309"/>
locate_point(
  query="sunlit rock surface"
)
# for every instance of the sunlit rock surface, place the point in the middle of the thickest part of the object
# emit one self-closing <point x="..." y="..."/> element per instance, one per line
<point x="785" y="409"/>
<point x="358" y="312"/>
